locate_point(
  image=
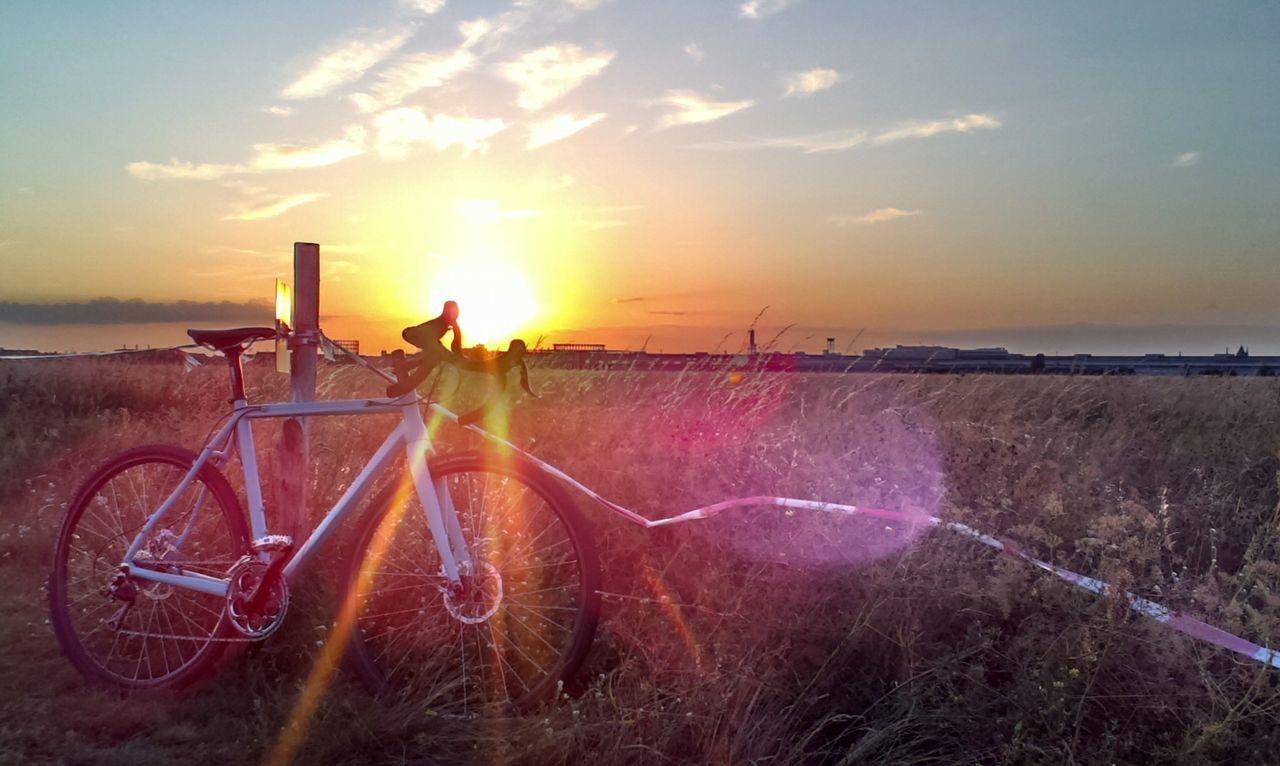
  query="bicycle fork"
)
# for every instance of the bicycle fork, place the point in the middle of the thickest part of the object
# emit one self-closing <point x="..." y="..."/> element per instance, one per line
<point x="437" y="504"/>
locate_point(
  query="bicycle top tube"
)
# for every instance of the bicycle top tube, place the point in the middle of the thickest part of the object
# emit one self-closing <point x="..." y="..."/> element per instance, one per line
<point x="330" y="407"/>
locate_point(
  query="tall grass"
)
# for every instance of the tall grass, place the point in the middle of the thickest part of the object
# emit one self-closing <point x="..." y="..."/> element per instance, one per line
<point x="763" y="636"/>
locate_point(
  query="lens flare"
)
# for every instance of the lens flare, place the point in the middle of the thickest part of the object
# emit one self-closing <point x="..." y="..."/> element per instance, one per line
<point x="326" y="665"/>
<point x="671" y="609"/>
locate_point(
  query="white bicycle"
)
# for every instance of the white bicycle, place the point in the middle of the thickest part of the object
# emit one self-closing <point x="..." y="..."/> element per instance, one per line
<point x="473" y="582"/>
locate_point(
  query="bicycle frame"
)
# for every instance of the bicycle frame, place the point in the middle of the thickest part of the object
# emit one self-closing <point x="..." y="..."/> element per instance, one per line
<point x="410" y="435"/>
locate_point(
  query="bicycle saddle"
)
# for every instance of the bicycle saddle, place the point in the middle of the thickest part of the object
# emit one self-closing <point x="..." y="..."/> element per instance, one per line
<point x="222" y="340"/>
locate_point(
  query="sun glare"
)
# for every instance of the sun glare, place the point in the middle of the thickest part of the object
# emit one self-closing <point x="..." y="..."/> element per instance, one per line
<point x="495" y="301"/>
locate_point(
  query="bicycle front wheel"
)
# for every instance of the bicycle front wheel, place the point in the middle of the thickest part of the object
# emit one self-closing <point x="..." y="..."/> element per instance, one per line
<point x="522" y="620"/>
<point x="131" y="632"/>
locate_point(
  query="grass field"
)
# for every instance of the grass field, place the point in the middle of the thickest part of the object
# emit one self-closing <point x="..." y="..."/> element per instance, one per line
<point x="762" y="636"/>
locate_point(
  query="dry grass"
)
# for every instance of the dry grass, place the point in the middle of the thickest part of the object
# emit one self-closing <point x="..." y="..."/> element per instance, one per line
<point x="761" y="637"/>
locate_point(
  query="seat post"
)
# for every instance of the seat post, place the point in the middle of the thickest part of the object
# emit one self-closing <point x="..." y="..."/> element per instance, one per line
<point x="237" y="373"/>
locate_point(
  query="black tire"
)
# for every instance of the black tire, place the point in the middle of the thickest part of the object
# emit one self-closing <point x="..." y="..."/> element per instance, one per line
<point x="483" y="653"/>
<point x="101" y="522"/>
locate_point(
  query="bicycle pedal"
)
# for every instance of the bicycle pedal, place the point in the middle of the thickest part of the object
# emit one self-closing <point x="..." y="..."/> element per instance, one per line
<point x="272" y="544"/>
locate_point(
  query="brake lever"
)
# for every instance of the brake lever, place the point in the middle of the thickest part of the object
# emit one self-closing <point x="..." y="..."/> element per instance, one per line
<point x="515" y="353"/>
<point x="524" y="380"/>
<point x="512" y="357"/>
<point x="409" y="375"/>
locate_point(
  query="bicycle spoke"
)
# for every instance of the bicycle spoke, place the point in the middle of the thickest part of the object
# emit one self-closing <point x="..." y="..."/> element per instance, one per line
<point x="502" y="661"/>
<point x="515" y="645"/>
<point x="490" y="640"/>
<point x="167" y="631"/>
<point x="535" y="613"/>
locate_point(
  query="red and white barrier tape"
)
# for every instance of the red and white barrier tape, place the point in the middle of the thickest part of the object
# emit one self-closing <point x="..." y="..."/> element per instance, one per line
<point x="1180" y="622"/>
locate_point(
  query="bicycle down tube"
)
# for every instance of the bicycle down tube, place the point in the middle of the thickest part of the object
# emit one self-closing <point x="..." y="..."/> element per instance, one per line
<point x="410" y="434"/>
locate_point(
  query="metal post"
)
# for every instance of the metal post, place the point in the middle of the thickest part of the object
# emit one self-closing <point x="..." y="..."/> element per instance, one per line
<point x="306" y="319"/>
<point x="292" y="466"/>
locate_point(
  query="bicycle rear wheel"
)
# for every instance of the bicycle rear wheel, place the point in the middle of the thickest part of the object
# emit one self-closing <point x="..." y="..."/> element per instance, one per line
<point x="525" y="617"/>
<point x="130" y="632"/>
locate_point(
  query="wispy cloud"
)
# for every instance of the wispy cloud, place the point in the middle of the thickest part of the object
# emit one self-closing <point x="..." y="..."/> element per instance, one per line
<point x="275" y="207"/>
<point x="411" y="74"/>
<point x="810" y="82"/>
<point x="758" y="9"/>
<point x="345" y="63"/>
<point x="277" y="110"/>
<point x="474" y="31"/>
<point x="926" y="129"/>
<point x="427" y="7"/>
<point x="491" y="211"/>
<point x="1186" y="159"/>
<point x="547" y="74"/>
<point x="538" y="17"/>
<point x="875" y="216"/>
<point x="687" y="107"/>
<point x="399" y="129"/>
<point x="135" y="311"/>
<point x="293" y="156"/>
<point x="266" y="157"/>
<point x="180" y="169"/>
<point x="812" y="143"/>
<point x="6" y="243"/>
<point x="559" y="127"/>
<point x="694" y="51"/>
<point x="844" y="140"/>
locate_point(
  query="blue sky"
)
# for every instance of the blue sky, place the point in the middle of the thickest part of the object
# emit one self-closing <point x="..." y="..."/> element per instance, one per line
<point x="1089" y="174"/>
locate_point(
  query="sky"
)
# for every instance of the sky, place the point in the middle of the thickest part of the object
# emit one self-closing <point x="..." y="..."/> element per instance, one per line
<point x="1050" y="177"/>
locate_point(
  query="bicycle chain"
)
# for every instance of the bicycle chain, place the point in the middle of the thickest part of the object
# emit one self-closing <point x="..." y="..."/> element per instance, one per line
<point x="156" y="564"/>
<point x="173" y="637"/>
<point x="236" y="640"/>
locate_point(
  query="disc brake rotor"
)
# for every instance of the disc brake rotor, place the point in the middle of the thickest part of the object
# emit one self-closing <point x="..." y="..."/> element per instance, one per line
<point x="478" y="598"/>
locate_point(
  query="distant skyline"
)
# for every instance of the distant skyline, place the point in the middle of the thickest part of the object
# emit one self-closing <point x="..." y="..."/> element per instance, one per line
<point x="1050" y="178"/>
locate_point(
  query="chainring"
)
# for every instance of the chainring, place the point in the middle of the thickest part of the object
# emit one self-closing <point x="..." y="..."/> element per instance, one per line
<point x="266" y="619"/>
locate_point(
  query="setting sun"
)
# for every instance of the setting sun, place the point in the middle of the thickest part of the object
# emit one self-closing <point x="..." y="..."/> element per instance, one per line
<point x="495" y="300"/>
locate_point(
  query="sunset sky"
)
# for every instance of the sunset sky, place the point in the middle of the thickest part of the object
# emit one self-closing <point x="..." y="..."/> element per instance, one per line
<point x="1057" y="177"/>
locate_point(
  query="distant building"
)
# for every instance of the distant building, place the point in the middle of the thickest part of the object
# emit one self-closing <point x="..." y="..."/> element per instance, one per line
<point x="912" y="353"/>
<point x="349" y="345"/>
<point x="597" y="347"/>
